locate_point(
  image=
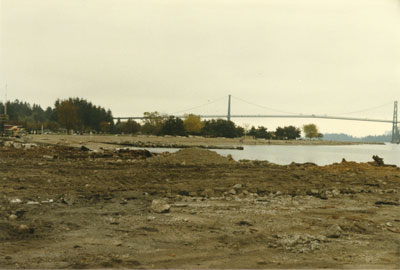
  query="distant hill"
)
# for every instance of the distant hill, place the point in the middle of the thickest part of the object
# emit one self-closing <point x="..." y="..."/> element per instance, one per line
<point x="348" y="138"/>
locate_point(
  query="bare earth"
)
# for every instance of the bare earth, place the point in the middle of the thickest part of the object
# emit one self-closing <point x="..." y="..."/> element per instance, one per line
<point x="62" y="207"/>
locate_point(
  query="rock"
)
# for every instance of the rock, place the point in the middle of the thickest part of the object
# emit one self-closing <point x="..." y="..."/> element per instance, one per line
<point x="386" y="203"/>
<point x="237" y="186"/>
<point x="32" y="203"/>
<point x="317" y="193"/>
<point x="378" y="160"/>
<point x="48" y="157"/>
<point x="25" y="229"/>
<point x="84" y="148"/>
<point x="334" y="231"/>
<point x="232" y="192"/>
<point x="244" y="223"/>
<point x="8" y="143"/>
<point x="395" y="230"/>
<point x="335" y="192"/>
<point x="183" y="193"/>
<point x="30" y="145"/>
<point x="299" y="243"/>
<point x="160" y="206"/>
<point x="17" y="145"/>
<point x="323" y="196"/>
<point x="20" y="213"/>
<point x="16" y="200"/>
<point x="13" y="217"/>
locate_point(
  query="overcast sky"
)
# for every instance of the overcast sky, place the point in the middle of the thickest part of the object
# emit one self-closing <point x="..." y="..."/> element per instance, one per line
<point x="132" y="56"/>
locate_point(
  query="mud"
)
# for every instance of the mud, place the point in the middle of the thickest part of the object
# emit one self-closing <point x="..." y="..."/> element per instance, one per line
<point x="64" y="207"/>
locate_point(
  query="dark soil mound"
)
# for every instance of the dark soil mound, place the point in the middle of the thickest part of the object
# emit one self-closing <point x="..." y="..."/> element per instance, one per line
<point x="193" y="156"/>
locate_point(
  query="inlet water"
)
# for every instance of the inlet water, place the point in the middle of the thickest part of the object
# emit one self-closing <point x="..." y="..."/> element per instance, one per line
<point x="318" y="154"/>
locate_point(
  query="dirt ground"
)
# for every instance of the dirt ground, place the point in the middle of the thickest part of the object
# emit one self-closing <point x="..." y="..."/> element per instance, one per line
<point x="64" y="207"/>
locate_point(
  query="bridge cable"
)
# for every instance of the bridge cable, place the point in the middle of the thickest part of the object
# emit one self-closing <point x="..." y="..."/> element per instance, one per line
<point x="199" y="106"/>
<point x="264" y="107"/>
<point x="364" y="110"/>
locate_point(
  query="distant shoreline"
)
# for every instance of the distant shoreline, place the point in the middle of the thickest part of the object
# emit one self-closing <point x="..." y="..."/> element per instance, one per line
<point x="113" y="141"/>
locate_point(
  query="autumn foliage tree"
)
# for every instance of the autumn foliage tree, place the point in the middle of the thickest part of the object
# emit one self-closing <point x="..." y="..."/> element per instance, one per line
<point x="311" y="131"/>
<point x="67" y="114"/>
<point x="193" y="124"/>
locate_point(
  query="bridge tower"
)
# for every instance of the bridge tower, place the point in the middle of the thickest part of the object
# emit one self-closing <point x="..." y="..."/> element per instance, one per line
<point x="229" y="108"/>
<point x="395" y="130"/>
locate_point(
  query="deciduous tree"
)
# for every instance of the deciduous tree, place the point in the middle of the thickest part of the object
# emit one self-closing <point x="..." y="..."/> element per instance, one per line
<point x="310" y="131"/>
<point x="152" y="123"/>
<point x="193" y="124"/>
<point x="67" y="114"/>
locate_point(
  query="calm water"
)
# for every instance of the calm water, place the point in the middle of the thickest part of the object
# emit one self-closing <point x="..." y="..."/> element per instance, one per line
<point x="321" y="155"/>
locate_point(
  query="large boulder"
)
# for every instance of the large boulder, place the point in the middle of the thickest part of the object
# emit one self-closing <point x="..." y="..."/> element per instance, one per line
<point x="160" y="206"/>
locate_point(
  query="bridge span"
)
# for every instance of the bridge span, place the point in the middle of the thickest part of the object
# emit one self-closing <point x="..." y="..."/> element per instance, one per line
<point x="228" y="116"/>
<point x="271" y="116"/>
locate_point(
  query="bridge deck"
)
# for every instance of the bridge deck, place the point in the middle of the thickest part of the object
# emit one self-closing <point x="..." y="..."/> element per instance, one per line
<point x="276" y="116"/>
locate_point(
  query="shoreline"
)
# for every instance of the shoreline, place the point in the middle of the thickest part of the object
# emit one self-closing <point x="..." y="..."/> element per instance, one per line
<point x="112" y="141"/>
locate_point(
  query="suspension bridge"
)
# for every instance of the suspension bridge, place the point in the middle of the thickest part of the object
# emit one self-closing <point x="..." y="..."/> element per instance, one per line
<point x="229" y="116"/>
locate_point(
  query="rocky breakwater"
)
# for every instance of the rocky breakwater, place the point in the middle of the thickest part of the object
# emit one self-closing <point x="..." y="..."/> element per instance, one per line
<point x="175" y="145"/>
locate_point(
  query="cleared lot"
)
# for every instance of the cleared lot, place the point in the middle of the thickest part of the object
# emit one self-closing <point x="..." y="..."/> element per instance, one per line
<point x="64" y="207"/>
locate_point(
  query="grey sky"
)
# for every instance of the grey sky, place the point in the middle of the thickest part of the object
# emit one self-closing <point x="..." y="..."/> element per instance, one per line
<point x="306" y="56"/>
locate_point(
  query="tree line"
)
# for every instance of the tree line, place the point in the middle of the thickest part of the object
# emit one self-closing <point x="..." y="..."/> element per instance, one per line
<point x="348" y="138"/>
<point x="156" y="124"/>
<point x="69" y="114"/>
<point x="81" y="115"/>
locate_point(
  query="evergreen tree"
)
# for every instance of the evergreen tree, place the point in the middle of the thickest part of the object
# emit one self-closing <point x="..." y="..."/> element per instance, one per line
<point x="173" y="126"/>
